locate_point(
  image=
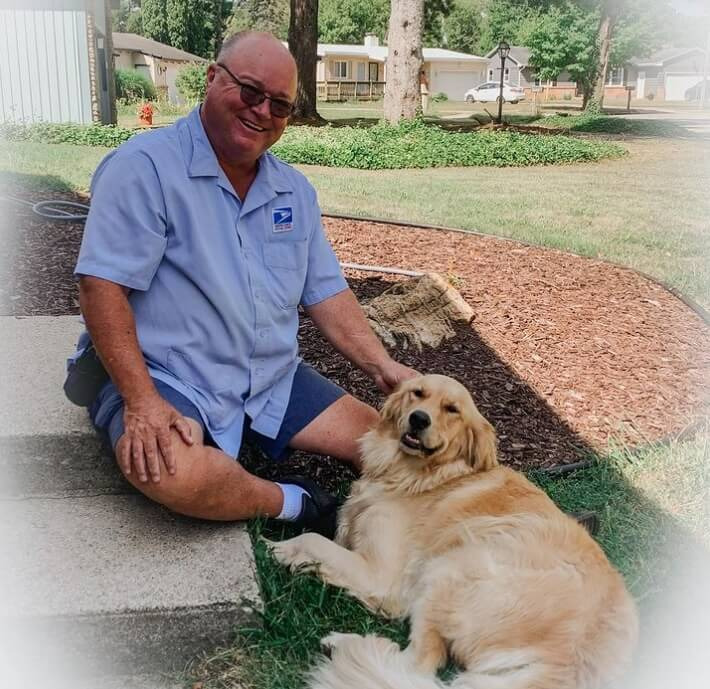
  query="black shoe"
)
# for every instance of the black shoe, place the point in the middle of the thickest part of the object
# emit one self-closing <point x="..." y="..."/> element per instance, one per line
<point x="319" y="509"/>
<point x="588" y="519"/>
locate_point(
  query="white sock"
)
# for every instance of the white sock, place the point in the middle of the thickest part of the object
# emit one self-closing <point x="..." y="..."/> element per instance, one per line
<point x="291" y="509"/>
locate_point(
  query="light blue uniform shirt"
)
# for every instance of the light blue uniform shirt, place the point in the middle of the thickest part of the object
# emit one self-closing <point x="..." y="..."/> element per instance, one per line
<point x="215" y="282"/>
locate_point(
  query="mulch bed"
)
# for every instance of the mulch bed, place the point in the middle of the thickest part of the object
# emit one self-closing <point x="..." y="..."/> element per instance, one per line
<point x="565" y="355"/>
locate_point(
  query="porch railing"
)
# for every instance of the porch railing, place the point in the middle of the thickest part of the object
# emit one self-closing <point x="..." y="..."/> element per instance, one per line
<point x="349" y="90"/>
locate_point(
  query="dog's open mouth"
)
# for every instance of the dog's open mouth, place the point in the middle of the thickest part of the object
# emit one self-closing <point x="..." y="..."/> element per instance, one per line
<point x="413" y="443"/>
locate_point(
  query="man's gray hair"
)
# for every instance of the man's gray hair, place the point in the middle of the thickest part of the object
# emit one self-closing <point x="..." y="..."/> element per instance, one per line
<point x="232" y="41"/>
<point x="236" y="38"/>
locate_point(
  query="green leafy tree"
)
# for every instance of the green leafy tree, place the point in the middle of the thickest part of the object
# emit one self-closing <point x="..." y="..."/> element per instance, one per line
<point x="564" y="39"/>
<point x="463" y="28"/>
<point x="343" y="21"/>
<point x="258" y="15"/>
<point x="626" y="27"/>
<point x="187" y="26"/>
<point x="155" y="20"/>
<point x="128" y="17"/>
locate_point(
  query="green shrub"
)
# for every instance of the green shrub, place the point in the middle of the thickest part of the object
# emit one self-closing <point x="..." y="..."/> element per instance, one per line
<point x="411" y="144"/>
<point x="132" y="86"/>
<point x="78" y="134"/>
<point x="567" y="96"/>
<point x="414" y="144"/>
<point x="440" y="97"/>
<point x="191" y="82"/>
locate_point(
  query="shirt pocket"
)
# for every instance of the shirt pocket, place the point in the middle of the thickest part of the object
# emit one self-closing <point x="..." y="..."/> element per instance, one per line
<point x="286" y="263"/>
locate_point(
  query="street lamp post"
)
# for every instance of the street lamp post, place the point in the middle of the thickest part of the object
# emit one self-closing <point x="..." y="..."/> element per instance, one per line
<point x="503" y="49"/>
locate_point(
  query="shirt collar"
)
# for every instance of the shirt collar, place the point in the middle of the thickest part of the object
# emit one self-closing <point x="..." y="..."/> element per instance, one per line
<point x="203" y="163"/>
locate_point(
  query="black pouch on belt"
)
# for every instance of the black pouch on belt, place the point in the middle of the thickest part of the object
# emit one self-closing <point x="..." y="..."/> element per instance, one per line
<point x="85" y="378"/>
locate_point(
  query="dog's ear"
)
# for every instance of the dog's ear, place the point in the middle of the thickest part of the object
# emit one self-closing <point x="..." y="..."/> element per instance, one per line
<point x="481" y="444"/>
<point x="392" y="407"/>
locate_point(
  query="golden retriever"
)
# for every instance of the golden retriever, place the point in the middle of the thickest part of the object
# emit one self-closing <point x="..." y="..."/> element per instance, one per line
<point x="489" y="571"/>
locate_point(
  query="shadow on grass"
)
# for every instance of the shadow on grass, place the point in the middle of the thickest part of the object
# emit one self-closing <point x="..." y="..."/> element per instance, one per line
<point x="638" y="495"/>
<point x="620" y="126"/>
<point x="31" y="182"/>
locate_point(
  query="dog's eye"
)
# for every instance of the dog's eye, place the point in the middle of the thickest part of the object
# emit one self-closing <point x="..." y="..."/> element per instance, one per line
<point x="452" y="409"/>
<point x="418" y="392"/>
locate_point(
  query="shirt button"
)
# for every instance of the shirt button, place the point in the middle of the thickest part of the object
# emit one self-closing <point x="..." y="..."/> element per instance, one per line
<point x="263" y="333"/>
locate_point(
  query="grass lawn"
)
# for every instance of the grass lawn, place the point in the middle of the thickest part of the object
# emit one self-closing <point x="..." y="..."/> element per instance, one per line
<point x="654" y="522"/>
<point x="648" y="210"/>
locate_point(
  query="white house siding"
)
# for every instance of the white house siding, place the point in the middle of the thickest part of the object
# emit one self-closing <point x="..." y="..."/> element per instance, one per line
<point x="44" y="67"/>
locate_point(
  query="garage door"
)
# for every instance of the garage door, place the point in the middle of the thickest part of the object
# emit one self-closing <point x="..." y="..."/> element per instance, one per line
<point x="454" y="84"/>
<point x="681" y="86"/>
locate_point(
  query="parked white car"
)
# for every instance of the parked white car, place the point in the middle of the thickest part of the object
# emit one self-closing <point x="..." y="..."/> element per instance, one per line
<point x="490" y="92"/>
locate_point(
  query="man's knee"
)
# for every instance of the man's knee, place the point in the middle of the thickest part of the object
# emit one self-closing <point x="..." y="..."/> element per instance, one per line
<point x="183" y="490"/>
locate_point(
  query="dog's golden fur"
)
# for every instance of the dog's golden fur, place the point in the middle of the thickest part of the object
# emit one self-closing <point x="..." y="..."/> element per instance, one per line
<point x="489" y="571"/>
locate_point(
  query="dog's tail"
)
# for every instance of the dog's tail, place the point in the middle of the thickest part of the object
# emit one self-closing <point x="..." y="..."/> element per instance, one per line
<point x="367" y="662"/>
<point x="373" y="662"/>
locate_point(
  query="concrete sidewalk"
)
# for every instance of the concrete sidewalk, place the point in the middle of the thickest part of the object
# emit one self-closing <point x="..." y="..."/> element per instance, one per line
<point x="101" y="583"/>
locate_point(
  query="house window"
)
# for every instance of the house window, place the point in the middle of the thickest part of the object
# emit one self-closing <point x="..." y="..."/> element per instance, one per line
<point x="506" y="75"/>
<point x="490" y="75"/>
<point x="340" y="70"/>
<point x="361" y="71"/>
<point x="615" y="77"/>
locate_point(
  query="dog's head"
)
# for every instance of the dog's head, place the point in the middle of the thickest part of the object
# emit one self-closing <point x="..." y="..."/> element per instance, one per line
<point x="436" y="422"/>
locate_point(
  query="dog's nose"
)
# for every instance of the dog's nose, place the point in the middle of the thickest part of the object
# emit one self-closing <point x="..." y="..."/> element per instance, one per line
<point x="419" y="420"/>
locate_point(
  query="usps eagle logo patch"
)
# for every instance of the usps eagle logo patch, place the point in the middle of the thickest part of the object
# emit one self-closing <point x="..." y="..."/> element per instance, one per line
<point x="283" y="219"/>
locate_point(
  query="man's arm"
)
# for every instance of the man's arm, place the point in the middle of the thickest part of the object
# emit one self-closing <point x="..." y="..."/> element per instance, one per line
<point x="148" y="417"/>
<point x="342" y="321"/>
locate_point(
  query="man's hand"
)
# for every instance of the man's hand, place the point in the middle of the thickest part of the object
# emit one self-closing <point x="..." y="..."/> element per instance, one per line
<point x="390" y="374"/>
<point x="148" y="422"/>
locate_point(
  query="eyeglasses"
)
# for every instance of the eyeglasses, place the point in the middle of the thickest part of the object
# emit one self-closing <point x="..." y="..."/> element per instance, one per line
<point x="253" y="96"/>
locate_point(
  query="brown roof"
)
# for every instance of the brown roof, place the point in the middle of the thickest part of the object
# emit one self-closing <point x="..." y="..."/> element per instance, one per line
<point x="141" y="44"/>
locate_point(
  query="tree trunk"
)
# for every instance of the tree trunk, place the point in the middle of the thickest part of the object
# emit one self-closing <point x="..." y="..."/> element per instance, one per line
<point x="303" y="44"/>
<point x="404" y="60"/>
<point x="218" y="19"/>
<point x="606" y="27"/>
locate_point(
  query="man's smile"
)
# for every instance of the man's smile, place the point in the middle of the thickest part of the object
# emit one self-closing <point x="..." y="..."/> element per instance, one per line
<point x="251" y="125"/>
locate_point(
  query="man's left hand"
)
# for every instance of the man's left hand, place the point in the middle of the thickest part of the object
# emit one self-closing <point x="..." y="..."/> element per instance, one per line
<point x="391" y="374"/>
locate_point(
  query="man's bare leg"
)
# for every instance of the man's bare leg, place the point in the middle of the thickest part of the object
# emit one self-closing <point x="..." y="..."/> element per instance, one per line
<point x="336" y="431"/>
<point x="210" y="484"/>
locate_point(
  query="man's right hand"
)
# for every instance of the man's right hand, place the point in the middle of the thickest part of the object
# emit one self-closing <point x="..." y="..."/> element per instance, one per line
<point x="147" y="424"/>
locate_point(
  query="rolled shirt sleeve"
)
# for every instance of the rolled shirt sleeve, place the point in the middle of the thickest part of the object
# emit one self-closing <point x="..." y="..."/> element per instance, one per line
<point x="324" y="277"/>
<point x="125" y="233"/>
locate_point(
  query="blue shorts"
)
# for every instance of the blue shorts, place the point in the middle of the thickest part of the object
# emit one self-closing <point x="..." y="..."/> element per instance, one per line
<point x="311" y="394"/>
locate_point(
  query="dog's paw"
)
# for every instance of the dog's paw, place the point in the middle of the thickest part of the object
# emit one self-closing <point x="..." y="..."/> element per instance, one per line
<point x="292" y="554"/>
<point x="335" y="639"/>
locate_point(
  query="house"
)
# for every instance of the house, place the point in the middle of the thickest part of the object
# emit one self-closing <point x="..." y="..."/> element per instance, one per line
<point x="160" y="63"/>
<point x="519" y="72"/>
<point x="56" y="61"/>
<point x="360" y="71"/>
<point x="671" y="74"/>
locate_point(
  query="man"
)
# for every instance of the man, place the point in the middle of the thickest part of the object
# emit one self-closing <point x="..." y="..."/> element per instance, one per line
<point x="198" y="249"/>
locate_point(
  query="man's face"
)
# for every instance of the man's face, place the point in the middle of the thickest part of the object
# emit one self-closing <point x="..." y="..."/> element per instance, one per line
<point x="240" y="132"/>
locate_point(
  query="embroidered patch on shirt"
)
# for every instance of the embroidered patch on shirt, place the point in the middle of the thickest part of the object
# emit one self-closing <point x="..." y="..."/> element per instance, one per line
<point x="283" y="219"/>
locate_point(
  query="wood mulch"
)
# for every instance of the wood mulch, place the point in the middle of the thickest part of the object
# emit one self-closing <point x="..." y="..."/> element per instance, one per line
<point x="565" y="355"/>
